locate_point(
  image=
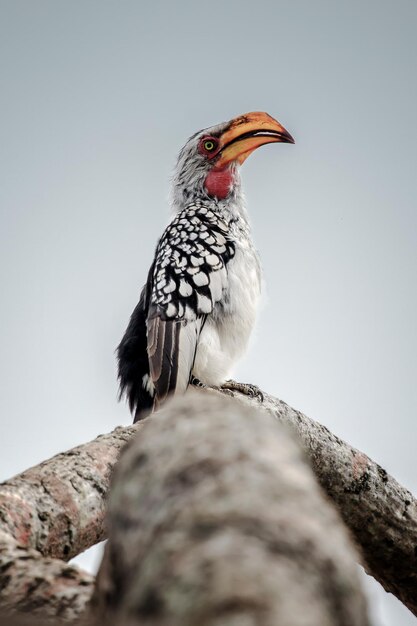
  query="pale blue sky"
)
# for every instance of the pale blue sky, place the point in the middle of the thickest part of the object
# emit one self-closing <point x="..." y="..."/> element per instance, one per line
<point x="97" y="99"/>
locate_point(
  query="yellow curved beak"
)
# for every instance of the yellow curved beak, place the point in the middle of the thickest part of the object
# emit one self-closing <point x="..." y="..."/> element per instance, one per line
<point x="246" y="133"/>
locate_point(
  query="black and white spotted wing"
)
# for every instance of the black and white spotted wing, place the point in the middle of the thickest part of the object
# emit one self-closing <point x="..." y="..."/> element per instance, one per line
<point x="189" y="277"/>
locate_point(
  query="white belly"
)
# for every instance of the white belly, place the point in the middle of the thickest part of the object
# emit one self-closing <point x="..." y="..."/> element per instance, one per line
<point x="226" y="332"/>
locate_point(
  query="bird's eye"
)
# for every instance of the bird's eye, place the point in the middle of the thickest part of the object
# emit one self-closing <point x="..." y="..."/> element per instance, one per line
<point x="208" y="146"/>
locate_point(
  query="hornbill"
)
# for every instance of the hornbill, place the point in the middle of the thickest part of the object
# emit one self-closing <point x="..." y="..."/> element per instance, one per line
<point x="198" y="306"/>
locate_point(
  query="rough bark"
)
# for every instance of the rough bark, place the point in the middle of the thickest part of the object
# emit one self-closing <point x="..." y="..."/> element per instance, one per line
<point x="46" y="587"/>
<point x="381" y="514"/>
<point x="57" y="507"/>
<point x="216" y="518"/>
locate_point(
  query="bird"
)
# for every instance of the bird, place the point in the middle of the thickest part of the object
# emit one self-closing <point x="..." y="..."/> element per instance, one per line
<point x="198" y="306"/>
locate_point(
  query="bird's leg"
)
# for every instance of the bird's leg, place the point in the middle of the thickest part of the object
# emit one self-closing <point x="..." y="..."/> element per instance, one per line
<point x="197" y="383"/>
<point x="229" y="386"/>
<point x="247" y="389"/>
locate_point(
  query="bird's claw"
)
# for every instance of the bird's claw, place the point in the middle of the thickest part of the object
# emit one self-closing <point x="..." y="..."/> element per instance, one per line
<point x="252" y="391"/>
<point x="197" y="383"/>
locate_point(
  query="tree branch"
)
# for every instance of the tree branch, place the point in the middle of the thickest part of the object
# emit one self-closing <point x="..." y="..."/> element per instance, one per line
<point x="30" y="583"/>
<point x="57" y="507"/>
<point x="381" y="514"/>
<point x="216" y="518"/>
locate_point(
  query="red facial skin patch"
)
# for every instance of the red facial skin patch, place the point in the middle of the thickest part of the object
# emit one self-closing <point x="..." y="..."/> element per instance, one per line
<point x="218" y="183"/>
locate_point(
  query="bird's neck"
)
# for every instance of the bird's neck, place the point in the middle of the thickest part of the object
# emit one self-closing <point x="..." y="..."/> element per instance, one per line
<point x="231" y="211"/>
<point x="232" y="208"/>
<point x="220" y="190"/>
<point x="219" y="183"/>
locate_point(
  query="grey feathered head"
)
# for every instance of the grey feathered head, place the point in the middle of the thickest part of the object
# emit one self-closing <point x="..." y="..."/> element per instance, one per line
<point x="208" y="164"/>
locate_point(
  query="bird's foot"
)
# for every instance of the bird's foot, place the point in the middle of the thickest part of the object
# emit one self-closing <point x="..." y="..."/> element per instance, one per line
<point x="252" y="391"/>
<point x="197" y="383"/>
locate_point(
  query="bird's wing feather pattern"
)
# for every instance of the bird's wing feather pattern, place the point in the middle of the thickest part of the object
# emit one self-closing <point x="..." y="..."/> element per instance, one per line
<point x="189" y="278"/>
<point x="133" y="360"/>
